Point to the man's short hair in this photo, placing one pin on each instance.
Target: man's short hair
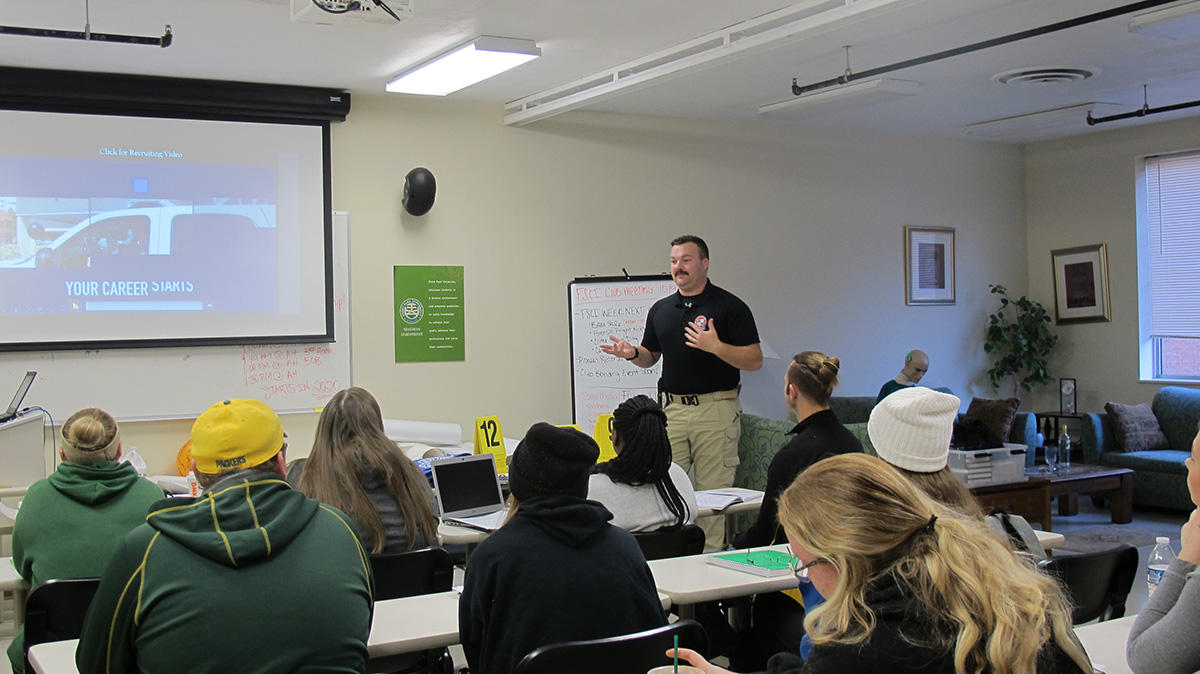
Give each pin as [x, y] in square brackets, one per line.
[689, 238]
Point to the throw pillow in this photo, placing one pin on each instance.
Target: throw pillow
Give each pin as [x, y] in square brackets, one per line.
[996, 414]
[1136, 427]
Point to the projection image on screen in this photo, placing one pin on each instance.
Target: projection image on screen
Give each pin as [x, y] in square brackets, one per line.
[130, 231]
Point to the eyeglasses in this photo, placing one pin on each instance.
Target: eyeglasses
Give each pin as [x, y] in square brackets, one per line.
[801, 572]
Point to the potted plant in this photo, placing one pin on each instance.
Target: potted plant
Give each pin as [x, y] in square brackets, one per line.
[1019, 337]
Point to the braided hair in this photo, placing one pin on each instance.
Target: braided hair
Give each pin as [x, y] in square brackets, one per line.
[645, 456]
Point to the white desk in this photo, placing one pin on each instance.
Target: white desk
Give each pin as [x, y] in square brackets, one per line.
[1049, 539]
[400, 626]
[414, 624]
[692, 580]
[451, 534]
[1105, 644]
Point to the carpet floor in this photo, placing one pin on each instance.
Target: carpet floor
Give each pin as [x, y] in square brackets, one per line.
[1106, 536]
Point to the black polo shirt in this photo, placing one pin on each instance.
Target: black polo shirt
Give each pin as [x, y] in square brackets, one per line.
[687, 369]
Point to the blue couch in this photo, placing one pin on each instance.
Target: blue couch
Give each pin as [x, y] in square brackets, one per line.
[1159, 476]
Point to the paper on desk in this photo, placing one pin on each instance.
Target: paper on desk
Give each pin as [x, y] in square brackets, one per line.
[425, 432]
[719, 499]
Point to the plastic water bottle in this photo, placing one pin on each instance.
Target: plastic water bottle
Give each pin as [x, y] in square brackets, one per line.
[1160, 559]
[1064, 450]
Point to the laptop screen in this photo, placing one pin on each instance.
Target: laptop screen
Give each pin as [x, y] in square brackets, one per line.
[467, 485]
[20, 395]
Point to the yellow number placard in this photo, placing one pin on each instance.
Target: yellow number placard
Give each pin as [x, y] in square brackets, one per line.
[602, 434]
[489, 438]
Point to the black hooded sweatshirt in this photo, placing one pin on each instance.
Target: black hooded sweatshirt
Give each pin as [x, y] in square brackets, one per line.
[558, 571]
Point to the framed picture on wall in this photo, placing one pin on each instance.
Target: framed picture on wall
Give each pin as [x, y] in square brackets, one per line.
[928, 265]
[1081, 284]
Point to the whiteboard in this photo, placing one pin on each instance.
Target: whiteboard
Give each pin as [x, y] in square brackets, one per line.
[600, 307]
[182, 382]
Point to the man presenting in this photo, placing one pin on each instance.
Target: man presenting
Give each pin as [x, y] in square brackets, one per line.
[705, 336]
[916, 364]
[249, 577]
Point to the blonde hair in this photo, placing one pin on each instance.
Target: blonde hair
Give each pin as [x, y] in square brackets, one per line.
[350, 437]
[986, 607]
[815, 375]
[90, 436]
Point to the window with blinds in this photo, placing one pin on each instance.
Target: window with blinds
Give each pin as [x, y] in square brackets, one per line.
[1173, 260]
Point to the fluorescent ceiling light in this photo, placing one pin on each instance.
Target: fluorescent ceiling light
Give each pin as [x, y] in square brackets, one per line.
[845, 97]
[1181, 19]
[463, 66]
[1074, 115]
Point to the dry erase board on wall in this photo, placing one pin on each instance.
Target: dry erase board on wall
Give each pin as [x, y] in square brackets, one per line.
[182, 382]
[600, 307]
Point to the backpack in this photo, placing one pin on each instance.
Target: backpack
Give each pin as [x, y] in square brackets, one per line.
[1019, 534]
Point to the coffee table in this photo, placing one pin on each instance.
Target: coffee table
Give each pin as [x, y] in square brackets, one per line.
[1030, 498]
[1083, 478]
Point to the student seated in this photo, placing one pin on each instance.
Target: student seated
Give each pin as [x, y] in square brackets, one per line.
[249, 577]
[642, 487]
[1161, 639]
[70, 523]
[355, 468]
[911, 430]
[777, 618]
[557, 570]
[912, 585]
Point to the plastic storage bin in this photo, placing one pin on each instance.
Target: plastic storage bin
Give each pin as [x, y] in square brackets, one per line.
[982, 467]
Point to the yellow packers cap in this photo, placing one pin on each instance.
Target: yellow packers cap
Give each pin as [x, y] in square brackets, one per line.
[233, 434]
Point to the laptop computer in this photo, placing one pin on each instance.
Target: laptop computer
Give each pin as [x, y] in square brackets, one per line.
[468, 491]
[15, 405]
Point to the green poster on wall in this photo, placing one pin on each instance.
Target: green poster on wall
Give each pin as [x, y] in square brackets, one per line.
[430, 325]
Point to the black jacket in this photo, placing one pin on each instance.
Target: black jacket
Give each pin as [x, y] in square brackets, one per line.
[888, 651]
[557, 572]
[818, 436]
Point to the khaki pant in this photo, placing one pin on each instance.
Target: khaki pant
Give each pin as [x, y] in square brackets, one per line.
[704, 441]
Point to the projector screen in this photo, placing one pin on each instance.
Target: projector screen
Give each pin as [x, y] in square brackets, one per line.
[135, 231]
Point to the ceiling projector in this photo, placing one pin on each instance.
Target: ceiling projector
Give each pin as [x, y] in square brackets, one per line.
[351, 12]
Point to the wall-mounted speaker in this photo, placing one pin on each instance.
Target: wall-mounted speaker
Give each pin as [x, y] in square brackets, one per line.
[419, 190]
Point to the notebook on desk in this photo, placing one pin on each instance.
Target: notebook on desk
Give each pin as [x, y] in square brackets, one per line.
[15, 405]
[468, 491]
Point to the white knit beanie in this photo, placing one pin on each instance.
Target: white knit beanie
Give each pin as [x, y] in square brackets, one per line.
[911, 428]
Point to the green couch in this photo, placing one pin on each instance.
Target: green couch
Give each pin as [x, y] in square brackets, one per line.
[1159, 476]
[761, 439]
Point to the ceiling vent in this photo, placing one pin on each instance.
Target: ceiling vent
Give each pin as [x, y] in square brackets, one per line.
[1036, 77]
[351, 12]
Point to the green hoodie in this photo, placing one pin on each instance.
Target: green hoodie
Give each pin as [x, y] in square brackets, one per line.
[70, 524]
[250, 577]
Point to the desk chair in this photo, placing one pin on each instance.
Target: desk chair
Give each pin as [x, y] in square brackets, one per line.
[54, 611]
[407, 574]
[628, 654]
[1098, 582]
[664, 543]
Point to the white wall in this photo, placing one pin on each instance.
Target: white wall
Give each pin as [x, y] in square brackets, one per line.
[1082, 192]
[806, 226]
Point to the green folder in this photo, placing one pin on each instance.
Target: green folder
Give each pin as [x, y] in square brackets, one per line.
[767, 563]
